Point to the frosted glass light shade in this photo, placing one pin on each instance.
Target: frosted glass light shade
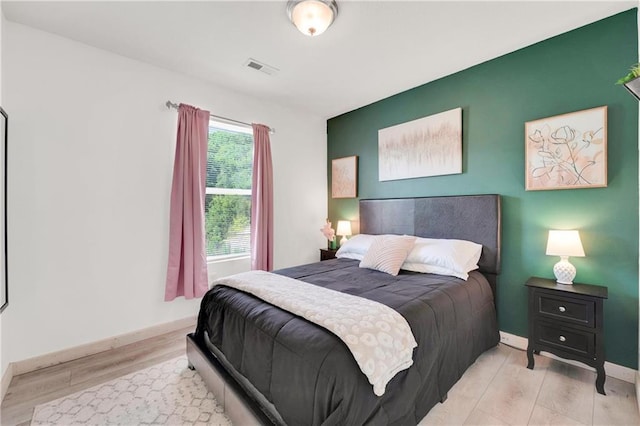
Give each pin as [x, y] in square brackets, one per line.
[564, 244]
[344, 229]
[312, 17]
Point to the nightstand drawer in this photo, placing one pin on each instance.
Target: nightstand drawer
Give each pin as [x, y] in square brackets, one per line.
[572, 310]
[581, 343]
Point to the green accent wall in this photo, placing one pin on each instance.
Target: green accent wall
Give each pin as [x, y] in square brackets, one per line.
[571, 72]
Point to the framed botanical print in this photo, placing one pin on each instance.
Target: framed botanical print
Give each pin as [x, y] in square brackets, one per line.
[567, 151]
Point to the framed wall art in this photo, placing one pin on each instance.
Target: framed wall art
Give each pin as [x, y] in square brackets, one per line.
[428, 146]
[4, 272]
[344, 177]
[567, 151]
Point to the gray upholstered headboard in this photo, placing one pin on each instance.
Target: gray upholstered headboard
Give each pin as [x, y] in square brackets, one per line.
[467, 217]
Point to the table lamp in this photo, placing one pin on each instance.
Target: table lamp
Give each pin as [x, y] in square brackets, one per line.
[344, 229]
[564, 243]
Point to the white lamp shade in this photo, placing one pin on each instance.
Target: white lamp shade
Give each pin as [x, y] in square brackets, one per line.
[312, 17]
[564, 243]
[344, 227]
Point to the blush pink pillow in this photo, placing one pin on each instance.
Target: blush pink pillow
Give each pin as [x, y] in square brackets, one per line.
[387, 253]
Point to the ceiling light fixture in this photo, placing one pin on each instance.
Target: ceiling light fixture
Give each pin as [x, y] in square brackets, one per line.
[312, 17]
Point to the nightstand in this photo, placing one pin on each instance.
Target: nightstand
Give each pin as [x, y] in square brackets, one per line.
[567, 320]
[326, 254]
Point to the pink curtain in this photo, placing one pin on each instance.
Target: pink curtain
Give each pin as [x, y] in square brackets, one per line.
[262, 201]
[187, 269]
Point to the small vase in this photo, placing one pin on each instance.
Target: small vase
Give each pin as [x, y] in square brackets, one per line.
[332, 244]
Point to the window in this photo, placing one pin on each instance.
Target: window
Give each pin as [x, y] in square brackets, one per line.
[228, 194]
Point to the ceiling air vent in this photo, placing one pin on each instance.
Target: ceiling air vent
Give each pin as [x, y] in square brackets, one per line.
[260, 66]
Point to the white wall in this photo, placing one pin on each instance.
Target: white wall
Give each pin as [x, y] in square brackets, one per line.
[91, 161]
[2, 363]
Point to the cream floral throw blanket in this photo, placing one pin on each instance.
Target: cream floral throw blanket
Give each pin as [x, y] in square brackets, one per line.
[379, 338]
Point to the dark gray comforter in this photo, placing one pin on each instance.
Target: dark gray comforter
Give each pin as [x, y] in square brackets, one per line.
[310, 375]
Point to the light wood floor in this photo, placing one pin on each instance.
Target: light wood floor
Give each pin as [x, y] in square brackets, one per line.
[31, 389]
[497, 390]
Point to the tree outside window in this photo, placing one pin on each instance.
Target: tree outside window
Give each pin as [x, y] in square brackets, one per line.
[228, 193]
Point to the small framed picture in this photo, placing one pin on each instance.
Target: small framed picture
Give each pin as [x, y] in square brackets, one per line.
[344, 177]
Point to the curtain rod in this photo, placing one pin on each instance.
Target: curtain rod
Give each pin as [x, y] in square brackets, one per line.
[173, 105]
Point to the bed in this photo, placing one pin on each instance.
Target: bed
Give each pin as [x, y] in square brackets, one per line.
[286, 370]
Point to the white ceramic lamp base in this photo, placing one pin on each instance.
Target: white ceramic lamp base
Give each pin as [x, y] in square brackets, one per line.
[564, 271]
[343, 240]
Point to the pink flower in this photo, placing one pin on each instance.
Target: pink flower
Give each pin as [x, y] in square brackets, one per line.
[327, 231]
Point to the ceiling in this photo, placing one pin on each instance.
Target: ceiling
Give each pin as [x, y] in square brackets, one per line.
[373, 50]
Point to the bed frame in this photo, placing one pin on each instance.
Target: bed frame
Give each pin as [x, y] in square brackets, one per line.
[469, 217]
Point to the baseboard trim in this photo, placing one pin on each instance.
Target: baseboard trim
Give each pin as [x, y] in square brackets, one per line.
[55, 358]
[6, 381]
[512, 340]
[638, 389]
[613, 370]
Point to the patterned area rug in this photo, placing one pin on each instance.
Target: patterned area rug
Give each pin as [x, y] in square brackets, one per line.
[165, 394]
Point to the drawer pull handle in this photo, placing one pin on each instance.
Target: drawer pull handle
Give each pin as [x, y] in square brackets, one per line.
[562, 309]
[562, 339]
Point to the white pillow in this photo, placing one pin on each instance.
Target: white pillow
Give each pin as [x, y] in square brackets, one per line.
[355, 247]
[456, 257]
[431, 269]
[387, 253]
